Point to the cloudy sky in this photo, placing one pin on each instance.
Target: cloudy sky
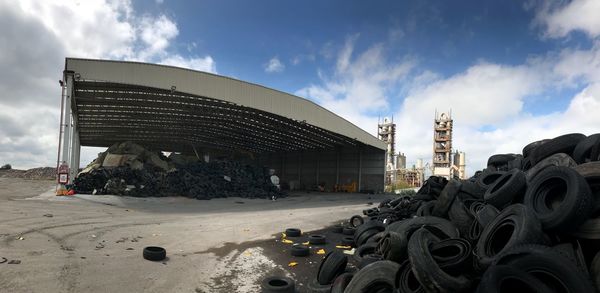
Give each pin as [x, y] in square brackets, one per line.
[510, 71]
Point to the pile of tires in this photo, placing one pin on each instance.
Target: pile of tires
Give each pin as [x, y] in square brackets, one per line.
[529, 222]
[199, 180]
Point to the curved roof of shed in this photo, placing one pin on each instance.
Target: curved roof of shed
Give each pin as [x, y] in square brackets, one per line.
[175, 109]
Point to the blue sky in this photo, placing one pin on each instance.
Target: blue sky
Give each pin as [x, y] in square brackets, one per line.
[511, 71]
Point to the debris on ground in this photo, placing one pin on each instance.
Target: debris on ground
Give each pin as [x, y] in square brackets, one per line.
[528, 221]
[130, 169]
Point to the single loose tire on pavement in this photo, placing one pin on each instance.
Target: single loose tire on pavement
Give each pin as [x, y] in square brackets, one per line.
[154, 253]
[332, 266]
[337, 228]
[560, 198]
[316, 239]
[278, 285]
[300, 250]
[376, 277]
[293, 232]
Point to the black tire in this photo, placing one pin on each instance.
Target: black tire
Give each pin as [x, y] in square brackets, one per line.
[560, 159]
[590, 171]
[509, 186]
[368, 226]
[364, 250]
[376, 277]
[473, 189]
[406, 281]
[278, 285]
[393, 247]
[317, 239]
[348, 241]
[590, 229]
[299, 250]
[365, 236]
[341, 282]
[503, 279]
[461, 217]
[515, 225]
[442, 228]
[447, 196]
[595, 271]
[356, 221]
[427, 270]
[488, 178]
[530, 147]
[375, 238]
[348, 231]
[425, 209]
[500, 159]
[561, 144]
[315, 287]
[293, 232]
[583, 151]
[369, 259]
[337, 228]
[453, 254]
[557, 271]
[332, 266]
[486, 214]
[154, 253]
[560, 198]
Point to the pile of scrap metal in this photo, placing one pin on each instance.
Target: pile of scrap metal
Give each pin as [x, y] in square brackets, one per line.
[130, 169]
[529, 222]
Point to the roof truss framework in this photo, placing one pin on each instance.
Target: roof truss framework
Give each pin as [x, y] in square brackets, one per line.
[109, 112]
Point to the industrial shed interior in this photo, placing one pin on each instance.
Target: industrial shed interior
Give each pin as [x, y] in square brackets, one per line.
[180, 110]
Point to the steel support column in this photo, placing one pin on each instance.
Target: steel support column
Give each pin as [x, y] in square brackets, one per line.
[67, 126]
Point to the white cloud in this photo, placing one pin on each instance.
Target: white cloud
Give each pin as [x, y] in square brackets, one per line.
[205, 63]
[364, 84]
[35, 39]
[360, 85]
[577, 15]
[274, 65]
[493, 95]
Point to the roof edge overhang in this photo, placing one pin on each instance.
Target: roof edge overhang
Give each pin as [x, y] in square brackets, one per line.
[219, 87]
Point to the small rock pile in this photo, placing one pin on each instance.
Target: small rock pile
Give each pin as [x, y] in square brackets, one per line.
[129, 169]
[529, 222]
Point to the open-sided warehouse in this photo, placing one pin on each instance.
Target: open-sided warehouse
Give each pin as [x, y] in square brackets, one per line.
[180, 110]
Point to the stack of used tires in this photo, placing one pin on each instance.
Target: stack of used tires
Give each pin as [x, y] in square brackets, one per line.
[529, 222]
[200, 180]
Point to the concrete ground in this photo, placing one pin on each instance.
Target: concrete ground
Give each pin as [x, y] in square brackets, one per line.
[94, 243]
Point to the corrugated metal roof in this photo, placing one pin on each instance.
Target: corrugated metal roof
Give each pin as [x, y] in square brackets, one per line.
[173, 108]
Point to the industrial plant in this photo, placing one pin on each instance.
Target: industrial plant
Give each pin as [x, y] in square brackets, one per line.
[446, 162]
